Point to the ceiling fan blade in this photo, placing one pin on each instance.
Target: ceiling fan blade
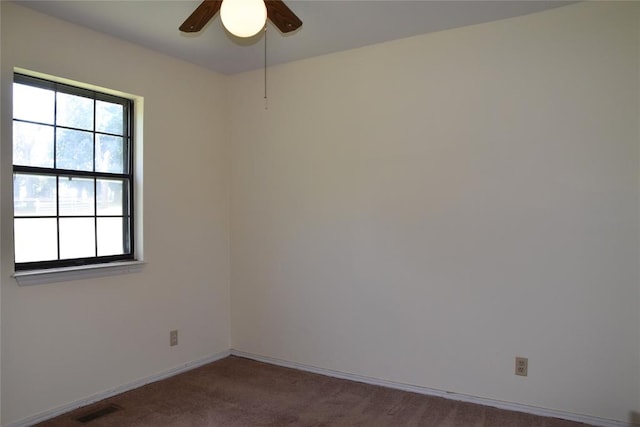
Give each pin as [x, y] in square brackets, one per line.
[199, 18]
[281, 16]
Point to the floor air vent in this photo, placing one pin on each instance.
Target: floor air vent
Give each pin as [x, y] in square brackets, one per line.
[98, 413]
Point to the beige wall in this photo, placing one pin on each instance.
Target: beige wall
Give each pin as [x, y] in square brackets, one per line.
[2, 107]
[66, 341]
[423, 211]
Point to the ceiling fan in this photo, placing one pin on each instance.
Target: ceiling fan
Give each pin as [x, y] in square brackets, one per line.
[277, 12]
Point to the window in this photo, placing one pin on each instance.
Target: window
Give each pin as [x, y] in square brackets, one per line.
[72, 175]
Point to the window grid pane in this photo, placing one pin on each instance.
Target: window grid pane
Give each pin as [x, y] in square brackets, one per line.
[36, 239]
[33, 144]
[72, 176]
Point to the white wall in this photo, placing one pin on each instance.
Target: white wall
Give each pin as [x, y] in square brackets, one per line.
[66, 341]
[2, 103]
[423, 211]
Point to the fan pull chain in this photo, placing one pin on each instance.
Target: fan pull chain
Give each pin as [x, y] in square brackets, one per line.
[266, 105]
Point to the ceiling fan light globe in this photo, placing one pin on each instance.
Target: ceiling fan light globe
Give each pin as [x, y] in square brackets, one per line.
[243, 18]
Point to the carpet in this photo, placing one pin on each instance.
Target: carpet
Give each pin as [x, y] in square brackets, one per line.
[236, 391]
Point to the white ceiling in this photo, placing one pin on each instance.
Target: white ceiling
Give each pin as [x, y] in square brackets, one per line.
[328, 26]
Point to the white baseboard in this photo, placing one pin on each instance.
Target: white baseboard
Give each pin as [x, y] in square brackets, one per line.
[43, 416]
[438, 393]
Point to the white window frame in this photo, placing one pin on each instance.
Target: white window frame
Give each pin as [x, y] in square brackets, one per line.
[60, 274]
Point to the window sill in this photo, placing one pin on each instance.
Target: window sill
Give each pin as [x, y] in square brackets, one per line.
[53, 275]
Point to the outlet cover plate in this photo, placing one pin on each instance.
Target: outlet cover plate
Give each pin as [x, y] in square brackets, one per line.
[522, 366]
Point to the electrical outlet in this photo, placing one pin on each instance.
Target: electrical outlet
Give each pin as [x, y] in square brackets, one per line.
[173, 338]
[522, 366]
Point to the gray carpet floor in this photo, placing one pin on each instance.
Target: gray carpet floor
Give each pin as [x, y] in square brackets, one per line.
[239, 392]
